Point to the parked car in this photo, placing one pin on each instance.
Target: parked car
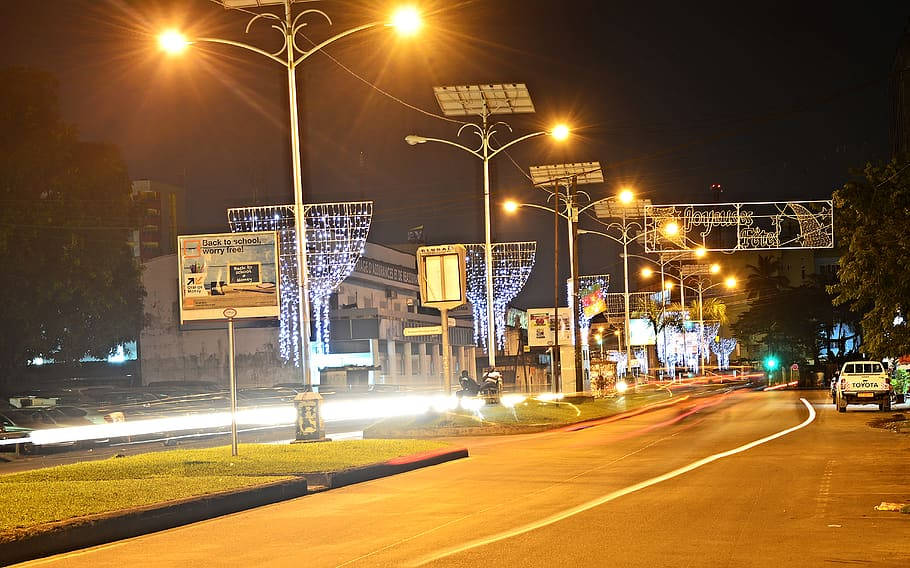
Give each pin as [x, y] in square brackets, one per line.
[863, 382]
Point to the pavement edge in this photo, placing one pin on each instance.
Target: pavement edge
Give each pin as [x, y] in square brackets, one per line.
[94, 530]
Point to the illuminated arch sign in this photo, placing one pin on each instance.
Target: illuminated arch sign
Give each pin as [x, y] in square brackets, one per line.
[739, 226]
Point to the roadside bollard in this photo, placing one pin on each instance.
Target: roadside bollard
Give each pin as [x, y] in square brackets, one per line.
[310, 427]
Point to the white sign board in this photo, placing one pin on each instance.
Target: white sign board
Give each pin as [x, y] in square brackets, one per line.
[541, 324]
[441, 271]
[229, 273]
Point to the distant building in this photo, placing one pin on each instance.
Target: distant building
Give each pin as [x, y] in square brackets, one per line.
[161, 208]
[900, 98]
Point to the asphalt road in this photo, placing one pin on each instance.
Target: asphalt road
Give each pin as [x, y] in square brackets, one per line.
[636, 492]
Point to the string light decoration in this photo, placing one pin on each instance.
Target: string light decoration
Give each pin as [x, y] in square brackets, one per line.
[723, 348]
[512, 264]
[335, 237]
[642, 356]
[619, 357]
[586, 282]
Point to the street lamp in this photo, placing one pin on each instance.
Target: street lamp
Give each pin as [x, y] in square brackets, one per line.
[290, 55]
[485, 101]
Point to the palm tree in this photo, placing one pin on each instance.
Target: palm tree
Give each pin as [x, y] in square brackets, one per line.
[712, 309]
[766, 278]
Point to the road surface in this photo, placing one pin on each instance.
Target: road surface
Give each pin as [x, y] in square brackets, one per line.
[652, 490]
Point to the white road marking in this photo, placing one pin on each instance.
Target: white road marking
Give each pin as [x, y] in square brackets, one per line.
[614, 495]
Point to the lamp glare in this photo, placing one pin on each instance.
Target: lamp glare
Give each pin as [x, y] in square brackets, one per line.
[700, 252]
[406, 20]
[646, 272]
[671, 228]
[510, 206]
[626, 196]
[172, 41]
[560, 132]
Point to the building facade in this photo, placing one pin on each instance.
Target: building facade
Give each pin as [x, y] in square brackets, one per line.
[367, 346]
[161, 208]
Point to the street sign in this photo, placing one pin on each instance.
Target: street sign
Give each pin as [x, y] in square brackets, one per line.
[425, 330]
[229, 313]
[228, 271]
[441, 271]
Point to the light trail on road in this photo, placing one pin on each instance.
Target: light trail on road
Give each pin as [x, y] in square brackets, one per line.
[614, 494]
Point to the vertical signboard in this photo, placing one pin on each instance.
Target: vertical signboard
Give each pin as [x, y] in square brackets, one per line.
[230, 270]
[541, 324]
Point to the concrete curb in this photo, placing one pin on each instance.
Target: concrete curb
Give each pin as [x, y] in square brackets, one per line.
[93, 530]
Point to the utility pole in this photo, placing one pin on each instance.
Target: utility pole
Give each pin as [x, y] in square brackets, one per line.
[575, 303]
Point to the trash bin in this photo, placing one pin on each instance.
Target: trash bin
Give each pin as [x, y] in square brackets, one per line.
[310, 427]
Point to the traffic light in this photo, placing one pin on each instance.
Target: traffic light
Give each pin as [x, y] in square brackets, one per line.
[770, 362]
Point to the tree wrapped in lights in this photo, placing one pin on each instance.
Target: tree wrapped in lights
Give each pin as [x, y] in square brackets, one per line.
[709, 332]
[723, 348]
[335, 237]
[642, 356]
[512, 264]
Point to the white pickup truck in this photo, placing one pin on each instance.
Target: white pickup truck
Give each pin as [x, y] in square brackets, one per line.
[863, 382]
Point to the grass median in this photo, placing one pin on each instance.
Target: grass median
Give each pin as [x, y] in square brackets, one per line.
[64, 492]
[525, 416]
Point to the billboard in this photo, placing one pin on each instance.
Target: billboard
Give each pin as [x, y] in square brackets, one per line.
[228, 271]
[641, 332]
[541, 324]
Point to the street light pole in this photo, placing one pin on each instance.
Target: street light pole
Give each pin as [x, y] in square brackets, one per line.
[290, 56]
[625, 268]
[557, 375]
[574, 301]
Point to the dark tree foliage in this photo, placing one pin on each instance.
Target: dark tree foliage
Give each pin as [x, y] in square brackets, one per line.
[72, 287]
[794, 323]
[872, 217]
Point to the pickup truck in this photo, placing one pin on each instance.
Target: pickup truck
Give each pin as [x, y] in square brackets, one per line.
[863, 382]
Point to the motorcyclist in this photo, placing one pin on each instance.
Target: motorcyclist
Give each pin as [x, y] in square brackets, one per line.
[492, 382]
[469, 386]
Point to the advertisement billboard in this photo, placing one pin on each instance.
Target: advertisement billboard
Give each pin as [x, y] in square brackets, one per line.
[541, 324]
[641, 332]
[229, 271]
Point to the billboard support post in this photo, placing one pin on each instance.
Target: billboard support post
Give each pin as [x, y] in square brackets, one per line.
[229, 313]
[446, 351]
[442, 275]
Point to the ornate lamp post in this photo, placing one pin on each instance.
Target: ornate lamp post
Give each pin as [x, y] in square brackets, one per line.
[290, 56]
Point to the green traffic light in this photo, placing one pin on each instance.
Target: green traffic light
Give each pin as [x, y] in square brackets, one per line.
[771, 363]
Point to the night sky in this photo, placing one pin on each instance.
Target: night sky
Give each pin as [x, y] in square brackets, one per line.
[773, 100]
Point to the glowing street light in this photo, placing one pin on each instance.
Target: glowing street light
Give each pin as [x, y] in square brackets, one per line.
[730, 282]
[626, 196]
[671, 229]
[647, 272]
[700, 252]
[715, 268]
[172, 42]
[560, 132]
[406, 20]
[290, 56]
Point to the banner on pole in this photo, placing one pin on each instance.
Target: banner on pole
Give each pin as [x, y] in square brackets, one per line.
[592, 300]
